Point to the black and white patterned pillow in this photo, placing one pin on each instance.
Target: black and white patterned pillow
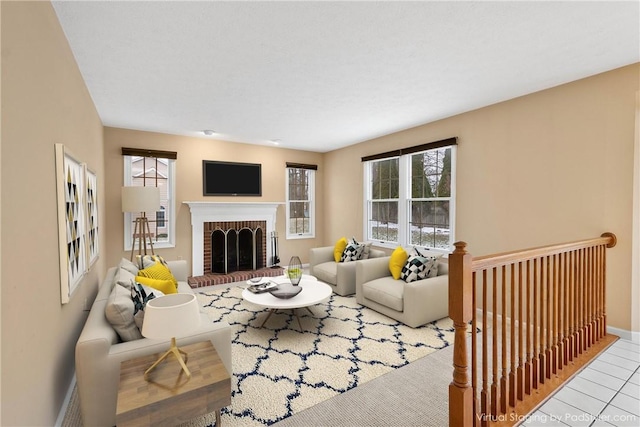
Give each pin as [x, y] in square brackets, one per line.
[141, 295]
[414, 269]
[352, 252]
[431, 263]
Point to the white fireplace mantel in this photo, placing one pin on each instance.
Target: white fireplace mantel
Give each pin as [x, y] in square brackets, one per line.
[202, 212]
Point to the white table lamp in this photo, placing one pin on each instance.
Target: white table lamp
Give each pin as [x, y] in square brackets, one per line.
[141, 199]
[171, 316]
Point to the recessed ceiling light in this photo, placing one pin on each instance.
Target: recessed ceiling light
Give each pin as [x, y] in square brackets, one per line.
[208, 132]
[275, 141]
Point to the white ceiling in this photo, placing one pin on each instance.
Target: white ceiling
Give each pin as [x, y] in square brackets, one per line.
[323, 75]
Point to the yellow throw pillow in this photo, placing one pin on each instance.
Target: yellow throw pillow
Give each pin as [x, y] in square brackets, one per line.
[164, 286]
[158, 271]
[339, 248]
[397, 261]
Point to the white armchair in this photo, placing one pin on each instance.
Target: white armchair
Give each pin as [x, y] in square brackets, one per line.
[340, 275]
[414, 304]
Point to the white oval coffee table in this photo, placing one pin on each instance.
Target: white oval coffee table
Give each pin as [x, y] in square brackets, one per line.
[313, 292]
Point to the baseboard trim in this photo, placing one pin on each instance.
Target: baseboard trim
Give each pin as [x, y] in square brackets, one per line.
[633, 336]
[65, 403]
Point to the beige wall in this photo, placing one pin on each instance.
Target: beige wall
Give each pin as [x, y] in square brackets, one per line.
[191, 151]
[545, 168]
[44, 101]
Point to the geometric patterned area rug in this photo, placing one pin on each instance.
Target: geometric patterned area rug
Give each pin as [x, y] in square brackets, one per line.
[279, 370]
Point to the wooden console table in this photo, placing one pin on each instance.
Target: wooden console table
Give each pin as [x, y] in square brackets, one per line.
[170, 398]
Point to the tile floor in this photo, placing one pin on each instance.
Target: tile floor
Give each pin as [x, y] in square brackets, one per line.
[606, 393]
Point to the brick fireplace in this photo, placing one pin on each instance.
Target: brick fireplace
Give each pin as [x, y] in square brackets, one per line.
[206, 217]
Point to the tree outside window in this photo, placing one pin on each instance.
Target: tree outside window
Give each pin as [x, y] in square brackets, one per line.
[430, 198]
[385, 191]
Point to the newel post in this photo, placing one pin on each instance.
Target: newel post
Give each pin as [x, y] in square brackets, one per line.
[461, 312]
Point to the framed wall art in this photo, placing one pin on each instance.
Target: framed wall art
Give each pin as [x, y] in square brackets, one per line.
[91, 193]
[71, 195]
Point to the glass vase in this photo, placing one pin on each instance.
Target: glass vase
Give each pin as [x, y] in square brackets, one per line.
[294, 270]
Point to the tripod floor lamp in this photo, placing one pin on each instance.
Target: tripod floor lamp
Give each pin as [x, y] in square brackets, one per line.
[141, 200]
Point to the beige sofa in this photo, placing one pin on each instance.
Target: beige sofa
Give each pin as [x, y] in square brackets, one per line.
[413, 304]
[340, 275]
[99, 351]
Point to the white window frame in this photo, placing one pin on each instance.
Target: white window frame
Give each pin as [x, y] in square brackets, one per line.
[404, 203]
[170, 210]
[312, 206]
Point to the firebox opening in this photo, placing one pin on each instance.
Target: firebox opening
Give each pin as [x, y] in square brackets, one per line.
[240, 249]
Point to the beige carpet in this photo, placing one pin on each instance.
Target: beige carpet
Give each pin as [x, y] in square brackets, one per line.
[414, 395]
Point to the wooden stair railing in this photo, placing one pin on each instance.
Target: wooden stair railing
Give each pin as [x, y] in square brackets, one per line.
[541, 314]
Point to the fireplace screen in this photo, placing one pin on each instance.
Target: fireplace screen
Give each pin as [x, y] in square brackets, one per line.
[237, 250]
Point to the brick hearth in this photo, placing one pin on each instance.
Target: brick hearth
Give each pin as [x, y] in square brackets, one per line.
[237, 276]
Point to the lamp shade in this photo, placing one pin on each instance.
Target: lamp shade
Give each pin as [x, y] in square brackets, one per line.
[140, 199]
[171, 316]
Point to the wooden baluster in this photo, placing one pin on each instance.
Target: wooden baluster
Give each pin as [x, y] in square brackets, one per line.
[603, 331]
[484, 394]
[581, 302]
[599, 253]
[543, 331]
[520, 372]
[592, 290]
[596, 294]
[587, 302]
[494, 346]
[554, 315]
[513, 342]
[547, 354]
[528, 368]
[604, 294]
[504, 343]
[579, 299]
[474, 350]
[536, 355]
[576, 279]
[562, 303]
[601, 280]
[460, 311]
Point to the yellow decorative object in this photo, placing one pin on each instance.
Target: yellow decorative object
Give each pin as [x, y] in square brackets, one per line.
[164, 286]
[158, 271]
[339, 248]
[397, 261]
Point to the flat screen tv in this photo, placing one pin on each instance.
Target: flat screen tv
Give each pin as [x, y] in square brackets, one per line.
[231, 179]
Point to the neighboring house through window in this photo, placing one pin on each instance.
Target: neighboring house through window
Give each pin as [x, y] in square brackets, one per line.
[410, 194]
[151, 168]
[300, 203]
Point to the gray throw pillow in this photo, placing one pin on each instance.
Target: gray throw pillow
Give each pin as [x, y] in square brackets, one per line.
[366, 251]
[129, 266]
[119, 312]
[124, 278]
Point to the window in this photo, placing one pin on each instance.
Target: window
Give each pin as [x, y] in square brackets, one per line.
[152, 172]
[409, 196]
[385, 196]
[430, 201]
[300, 209]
